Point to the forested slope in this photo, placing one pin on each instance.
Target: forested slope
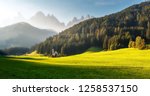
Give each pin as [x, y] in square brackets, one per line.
[108, 33]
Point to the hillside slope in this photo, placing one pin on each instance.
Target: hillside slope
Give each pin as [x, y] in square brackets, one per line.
[109, 33]
[22, 35]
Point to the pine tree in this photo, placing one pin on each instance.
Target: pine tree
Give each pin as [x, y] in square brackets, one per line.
[148, 31]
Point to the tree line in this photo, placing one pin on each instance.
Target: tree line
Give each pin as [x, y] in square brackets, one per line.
[14, 51]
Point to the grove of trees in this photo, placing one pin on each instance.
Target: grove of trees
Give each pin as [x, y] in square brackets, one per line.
[138, 43]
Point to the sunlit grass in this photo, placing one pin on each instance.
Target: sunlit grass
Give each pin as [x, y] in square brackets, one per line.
[123, 63]
[122, 57]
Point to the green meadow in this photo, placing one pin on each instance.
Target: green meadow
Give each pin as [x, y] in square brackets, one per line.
[93, 64]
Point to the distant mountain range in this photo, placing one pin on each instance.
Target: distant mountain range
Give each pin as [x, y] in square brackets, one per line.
[22, 35]
[44, 21]
[33, 31]
[75, 20]
[40, 20]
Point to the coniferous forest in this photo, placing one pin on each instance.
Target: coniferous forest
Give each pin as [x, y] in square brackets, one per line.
[110, 32]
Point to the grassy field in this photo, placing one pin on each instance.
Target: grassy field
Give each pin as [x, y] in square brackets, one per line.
[123, 63]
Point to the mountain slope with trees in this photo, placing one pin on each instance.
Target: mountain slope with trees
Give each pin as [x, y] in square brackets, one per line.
[110, 32]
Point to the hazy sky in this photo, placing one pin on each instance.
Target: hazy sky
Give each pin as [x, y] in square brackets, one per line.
[64, 10]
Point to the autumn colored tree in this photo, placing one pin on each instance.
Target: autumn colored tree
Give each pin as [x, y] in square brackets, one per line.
[139, 43]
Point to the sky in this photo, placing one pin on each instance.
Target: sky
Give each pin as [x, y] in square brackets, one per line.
[64, 10]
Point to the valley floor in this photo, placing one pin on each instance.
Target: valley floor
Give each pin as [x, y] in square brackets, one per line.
[123, 63]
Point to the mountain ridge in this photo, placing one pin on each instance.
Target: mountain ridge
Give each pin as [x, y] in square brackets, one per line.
[43, 21]
[22, 35]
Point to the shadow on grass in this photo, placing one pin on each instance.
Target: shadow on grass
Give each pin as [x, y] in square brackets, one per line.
[25, 58]
[14, 69]
[94, 49]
